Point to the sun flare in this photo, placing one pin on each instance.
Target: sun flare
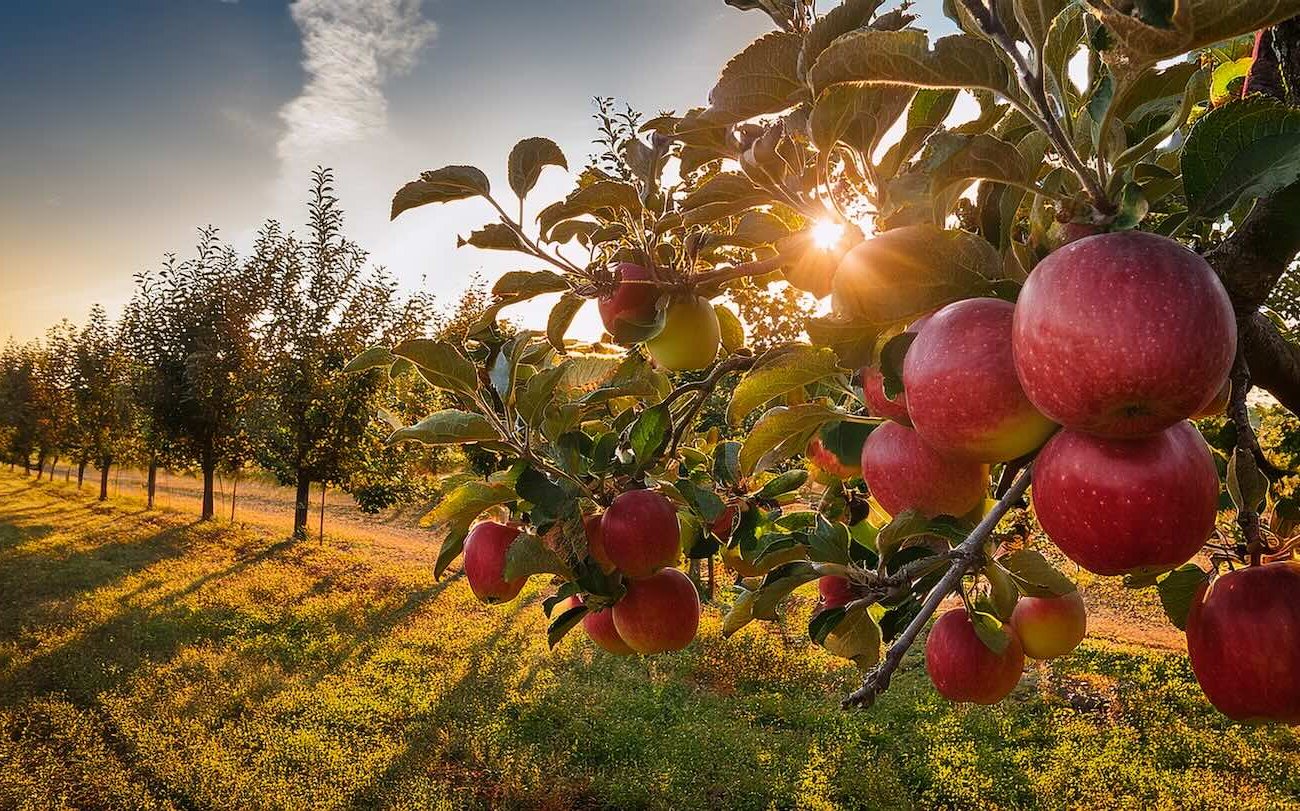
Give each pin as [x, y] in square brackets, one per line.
[827, 233]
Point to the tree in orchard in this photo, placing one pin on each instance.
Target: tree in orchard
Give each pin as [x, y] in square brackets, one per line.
[102, 395]
[57, 432]
[314, 420]
[18, 409]
[1045, 292]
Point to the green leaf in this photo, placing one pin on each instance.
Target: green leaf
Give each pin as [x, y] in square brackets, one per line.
[604, 199]
[447, 427]
[561, 317]
[781, 433]
[1192, 93]
[441, 186]
[856, 637]
[848, 16]
[1177, 590]
[529, 283]
[788, 369]
[1193, 24]
[907, 272]
[905, 57]
[494, 236]
[892, 355]
[763, 78]
[649, 434]
[468, 501]
[980, 157]
[726, 463]
[372, 358]
[823, 622]
[1063, 40]
[526, 162]
[537, 394]
[441, 364]
[1242, 150]
[990, 631]
[723, 195]
[829, 541]
[1034, 576]
[741, 613]
[845, 439]
[564, 623]
[856, 115]
[1247, 485]
[733, 332]
[1036, 17]
[1003, 592]
[452, 545]
[778, 584]
[786, 482]
[528, 556]
[1226, 82]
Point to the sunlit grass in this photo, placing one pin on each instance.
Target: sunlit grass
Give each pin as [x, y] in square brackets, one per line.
[146, 662]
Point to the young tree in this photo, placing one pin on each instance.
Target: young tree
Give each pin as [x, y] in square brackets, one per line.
[101, 395]
[315, 421]
[1034, 259]
[18, 402]
[56, 428]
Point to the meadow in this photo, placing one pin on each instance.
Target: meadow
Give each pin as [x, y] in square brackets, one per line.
[150, 662]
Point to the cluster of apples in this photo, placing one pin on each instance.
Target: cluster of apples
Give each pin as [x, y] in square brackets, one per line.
[639, 536]
[1114, 342]
[682, 336]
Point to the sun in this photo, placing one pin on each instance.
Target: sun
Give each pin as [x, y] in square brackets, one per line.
[826, 234]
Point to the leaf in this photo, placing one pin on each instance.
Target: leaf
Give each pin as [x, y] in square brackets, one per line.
[495, 236]
[537, 394]
[823, 622]
[1036, 17]
[564, 623]
[763, 78]
[528, 158]
[467, 502]
[1247, 485]
[452, 545]
[848, 16]
[1034, 576]
[1192, 94]
[781, 433]
[789, 370]
[1003, 593]
[856, 115]
[505, 368]
[1226, 82]
[786, 482]
[529, 283]
[372, 358]
[1242, 150]
[528, 555]
[441, 363]
[447, 427]
[727, 188]
[603, 199]
[1063, 40]
[649, 434]
[557, 323]
[778, 584]
[845, 440]
[905, 58]
[733, 332]
[892, 355]
[440, 186]
[726, 463]
[980, 157]
[1177, 590]
[829, 541]
[907, 272]
[741, 613]
[990, 631]
[856, 637]
[1193, 24]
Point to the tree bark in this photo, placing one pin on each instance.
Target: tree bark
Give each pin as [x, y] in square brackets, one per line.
[81, 473]
[301, 505]
[209, 474]
[104, 465]
[234, 489]
[67, 474]
[54, 466]
[323, 487]
[151, 484]
[40, 465]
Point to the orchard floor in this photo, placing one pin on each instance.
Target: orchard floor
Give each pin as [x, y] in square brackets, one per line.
[150, 662]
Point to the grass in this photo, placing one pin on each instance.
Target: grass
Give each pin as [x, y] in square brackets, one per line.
[146, 662]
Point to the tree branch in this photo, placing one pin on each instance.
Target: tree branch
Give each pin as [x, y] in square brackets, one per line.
[965, 558]
[1274, 361]
[1247, 517]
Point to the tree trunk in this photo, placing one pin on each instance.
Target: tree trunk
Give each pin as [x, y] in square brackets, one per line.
[104, 465]
[300, 506]
[27, 466]
[209, 508]
[67, 474]
[53, 466]
[40, 465]
[151, 483]
[81, 473]
[322, 512]
[234, 489]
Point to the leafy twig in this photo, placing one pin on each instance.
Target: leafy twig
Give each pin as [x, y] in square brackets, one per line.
[965, 558]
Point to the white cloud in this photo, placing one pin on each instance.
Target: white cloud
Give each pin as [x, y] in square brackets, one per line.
[350, 49]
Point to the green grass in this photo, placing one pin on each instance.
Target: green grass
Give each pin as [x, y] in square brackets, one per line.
[150, 663]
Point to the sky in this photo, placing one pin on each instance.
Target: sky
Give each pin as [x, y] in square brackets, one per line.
[128, 125]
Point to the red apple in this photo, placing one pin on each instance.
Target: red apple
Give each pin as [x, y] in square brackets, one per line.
[837, 591]
[725, 522]
[1049, 627]
[904, 473]
[596, 542]
[1116, 506]
[1218, 405]
[963, 668]
[873, 393]
[485, 562]
[659, 613]
[599, 625]
[1123, 334]
[640, 533]
[690, 337]
[825, 459]
[630, 311]
[963, 395]
[1243, 638]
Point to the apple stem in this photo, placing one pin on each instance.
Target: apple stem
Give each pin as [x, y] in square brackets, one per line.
[966, 557]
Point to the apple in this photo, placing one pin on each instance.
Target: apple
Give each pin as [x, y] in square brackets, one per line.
[596, 542]
[640, 534]
[658, 613]
[1218, 405]
[963, 668]
[1243, 639]
[690, 337]
[826, 460]
[904, 473]
[836, 591]
[1119, 506]
[873, 393]
[963, 396]
[1049, 627]
[599, 625]
[630, 311]
[1122, 334]
[485, 562]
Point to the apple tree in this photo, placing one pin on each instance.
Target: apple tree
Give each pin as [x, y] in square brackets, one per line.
[1043, 290]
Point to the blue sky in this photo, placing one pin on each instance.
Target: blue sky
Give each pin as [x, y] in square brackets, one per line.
[127, 125]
